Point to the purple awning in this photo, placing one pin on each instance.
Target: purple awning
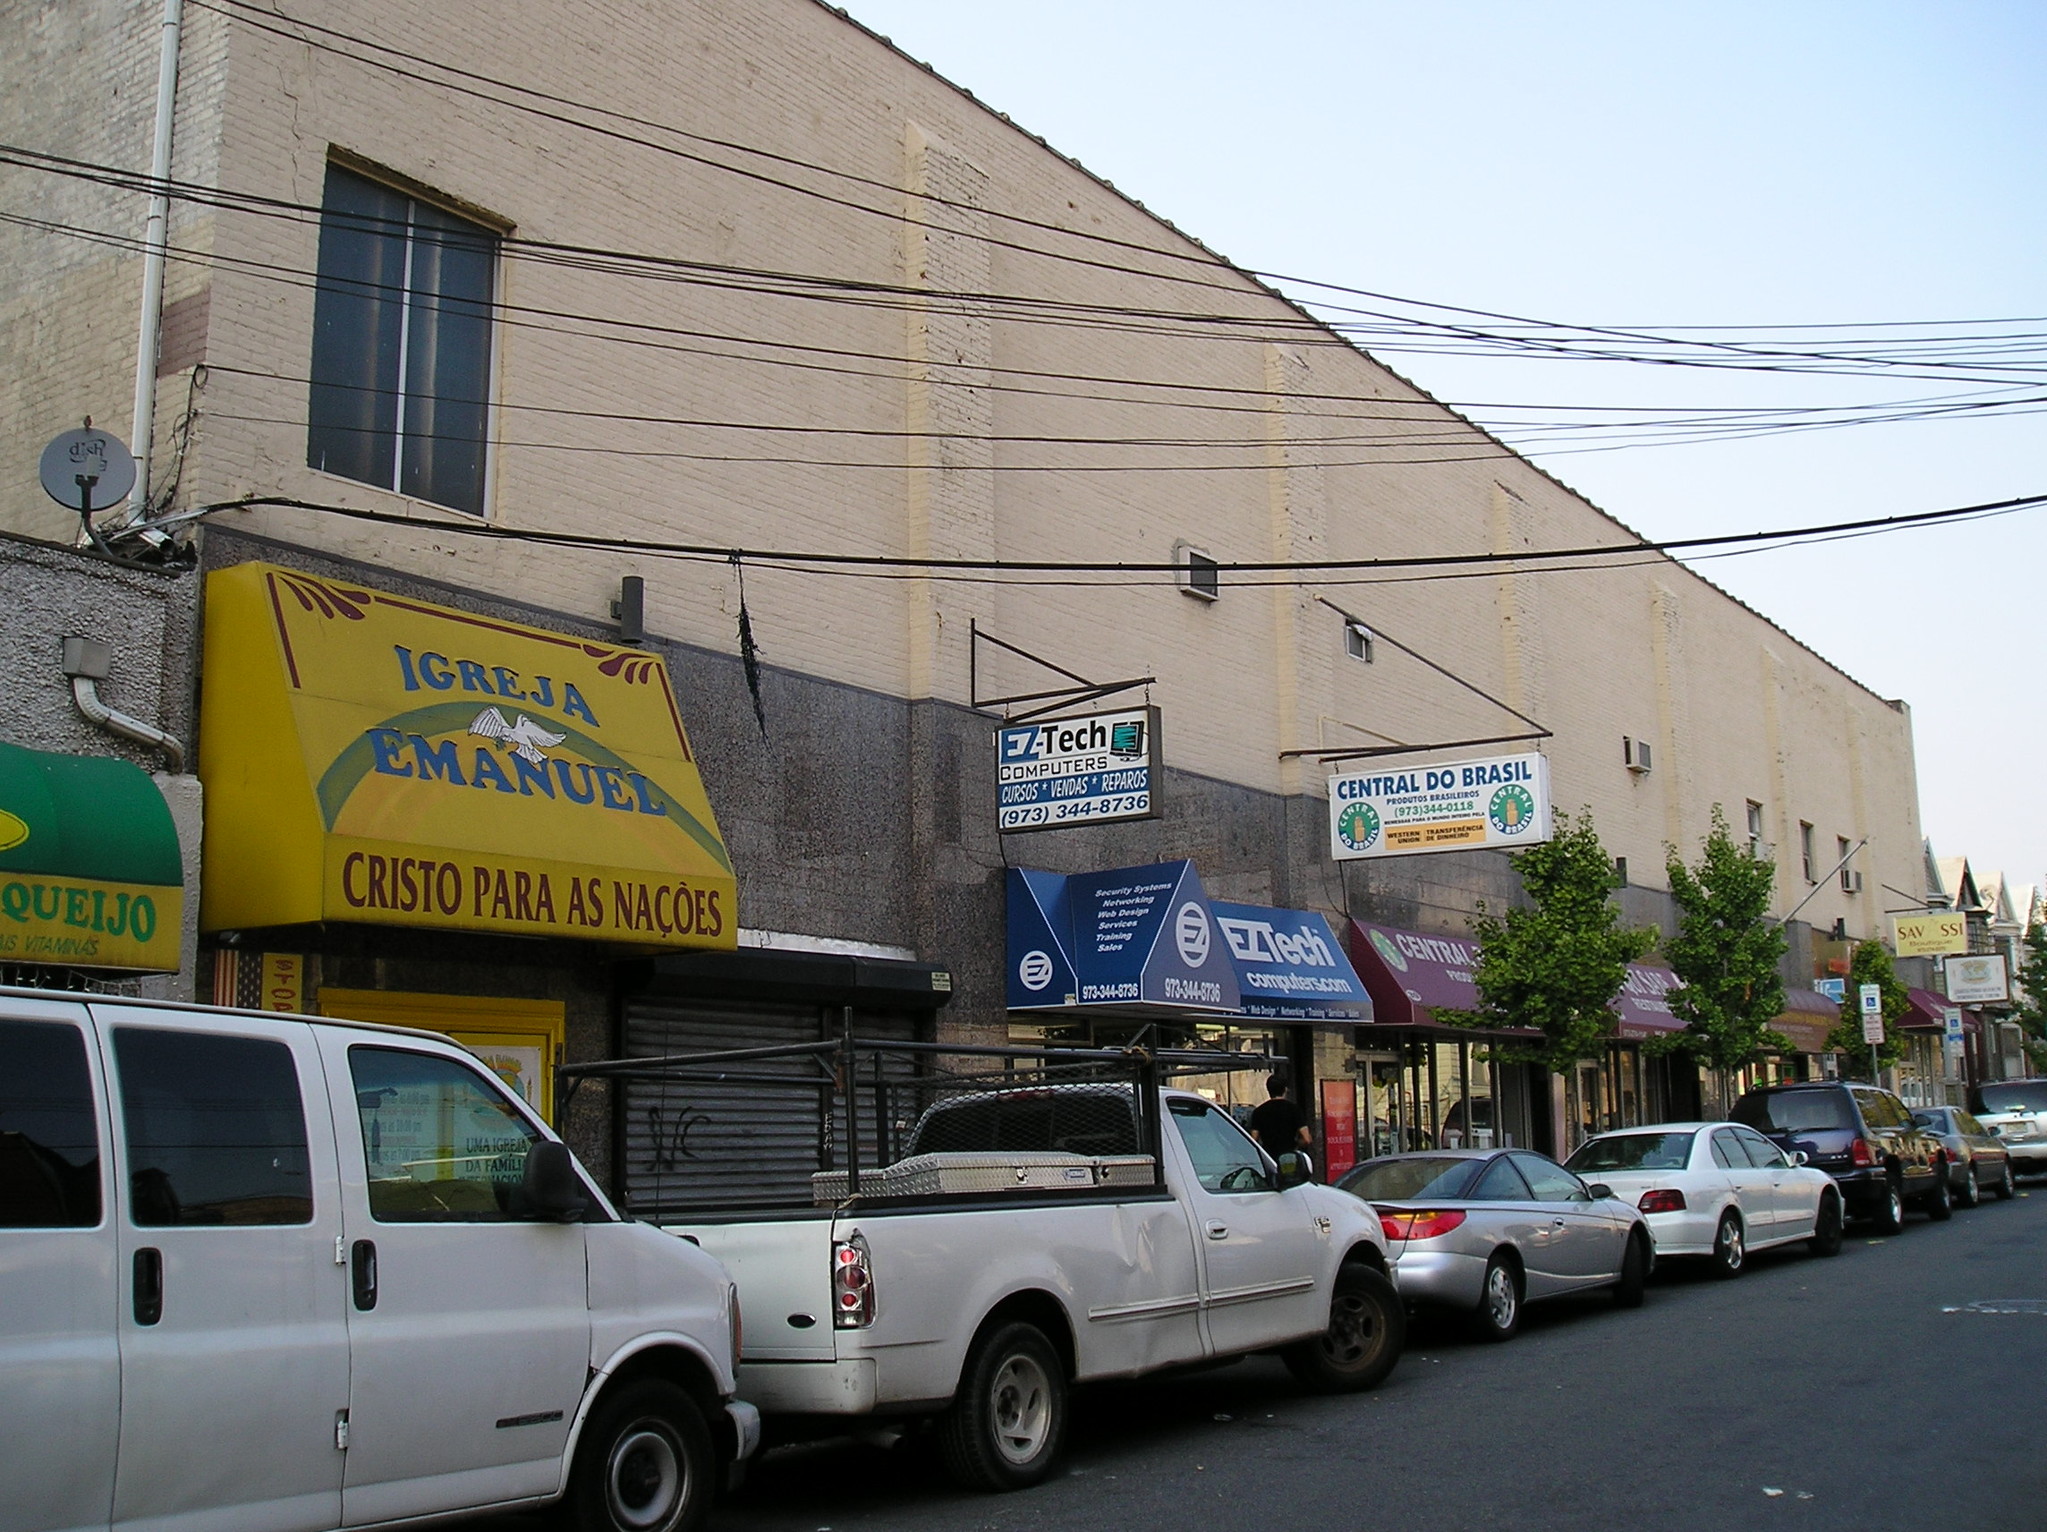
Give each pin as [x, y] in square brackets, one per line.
[1929, 1011]
[1409, 973]
[1644, 1001]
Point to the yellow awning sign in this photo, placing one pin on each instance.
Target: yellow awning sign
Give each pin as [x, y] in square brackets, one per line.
[377, 759]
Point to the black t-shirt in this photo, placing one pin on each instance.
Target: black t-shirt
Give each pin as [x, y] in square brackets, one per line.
[1277, 1125]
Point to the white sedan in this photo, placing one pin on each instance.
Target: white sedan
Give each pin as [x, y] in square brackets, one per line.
[1715, 1189]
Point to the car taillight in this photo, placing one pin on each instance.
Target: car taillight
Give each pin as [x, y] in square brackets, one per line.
[1861, 1152]
[1426, 1224]
[852, 1285]
[1668, 1201]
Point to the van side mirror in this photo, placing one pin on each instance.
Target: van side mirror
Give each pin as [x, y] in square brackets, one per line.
[549, 1188]
[1295, 1169]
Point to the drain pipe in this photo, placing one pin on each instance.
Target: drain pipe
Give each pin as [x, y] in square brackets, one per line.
[86, 662]
[155, 241]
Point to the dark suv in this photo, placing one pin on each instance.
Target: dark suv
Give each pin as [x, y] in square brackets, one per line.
[1864, 1138]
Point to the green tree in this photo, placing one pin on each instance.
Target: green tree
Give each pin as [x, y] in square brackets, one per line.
[1725, 956]
[1870, 965]
[2031, 1010]
[1557, 963]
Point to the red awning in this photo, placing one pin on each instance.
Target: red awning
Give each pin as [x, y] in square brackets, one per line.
[1929, 1013]
[1408, 972]
[1644, 1001]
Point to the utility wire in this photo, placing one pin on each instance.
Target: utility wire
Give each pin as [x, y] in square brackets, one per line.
[1440, 424]
[1292, 568]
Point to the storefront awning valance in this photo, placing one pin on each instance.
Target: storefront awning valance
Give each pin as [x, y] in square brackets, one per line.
[90, 872]
[1806, 1019]
[1644, 1001]
[1136, 939]
[1929, 1012]
[376, 759]
[1409, 974]
[1290, 966]
[1149, 940]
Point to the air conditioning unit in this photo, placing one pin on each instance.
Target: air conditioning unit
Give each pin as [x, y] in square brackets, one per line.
[1851, 881]
[1635, 752]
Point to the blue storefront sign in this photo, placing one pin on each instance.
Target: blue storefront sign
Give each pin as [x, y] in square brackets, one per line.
[1148, 938]
[1135, 937]
[1290, 966]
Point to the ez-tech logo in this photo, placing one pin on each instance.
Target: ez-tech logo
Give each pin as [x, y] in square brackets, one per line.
[1123, 738]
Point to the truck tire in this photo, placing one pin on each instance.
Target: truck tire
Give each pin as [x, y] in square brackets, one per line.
[645, 1463]
[1008, 1422]
[1367, 1328]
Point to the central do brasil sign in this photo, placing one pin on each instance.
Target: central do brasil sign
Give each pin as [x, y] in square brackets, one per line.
[1502, 801]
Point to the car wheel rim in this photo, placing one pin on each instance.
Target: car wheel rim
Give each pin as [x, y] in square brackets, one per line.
[1894, 1206]
[1500, 1300]
[1731, 1252]
[644, 1481]
[1352, 1331]
[1020, 1409]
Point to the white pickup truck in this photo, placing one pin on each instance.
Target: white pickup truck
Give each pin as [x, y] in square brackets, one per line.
[1035, 1238]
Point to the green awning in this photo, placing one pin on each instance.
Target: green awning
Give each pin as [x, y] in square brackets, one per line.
[90, 872]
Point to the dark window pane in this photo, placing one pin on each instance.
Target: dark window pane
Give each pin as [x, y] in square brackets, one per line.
[1549, 1181]
[216, 1129]
[1762, 1154]
[1795, 1111]
[358, 317]
[401, 344]
[1632, 1151]
[1727, 1153]
[49, 1146]
[442, 1146]
[1400, 1180]
[447, 361]
[1500, 1183]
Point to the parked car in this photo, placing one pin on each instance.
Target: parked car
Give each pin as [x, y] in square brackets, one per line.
[1035, 1238]
[1862, 1136]
[1976, 1157]
[265, 1271]
[1486, 1231]
[2016, 1111]
[1715, 1190]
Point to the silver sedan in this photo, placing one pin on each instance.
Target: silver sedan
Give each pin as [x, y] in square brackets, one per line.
[1487, 1230]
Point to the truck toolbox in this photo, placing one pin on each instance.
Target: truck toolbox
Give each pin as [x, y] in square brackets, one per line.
[932, 1175]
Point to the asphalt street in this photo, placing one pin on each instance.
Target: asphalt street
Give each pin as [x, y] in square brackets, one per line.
[1891, 1387]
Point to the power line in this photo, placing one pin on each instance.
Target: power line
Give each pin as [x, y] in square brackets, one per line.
[249, 14]
[1292, 568]
[1439, 424]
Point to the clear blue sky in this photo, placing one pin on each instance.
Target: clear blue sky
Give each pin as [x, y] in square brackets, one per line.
[1645, 165]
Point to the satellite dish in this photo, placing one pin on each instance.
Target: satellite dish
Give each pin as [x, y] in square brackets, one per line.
[88, 470]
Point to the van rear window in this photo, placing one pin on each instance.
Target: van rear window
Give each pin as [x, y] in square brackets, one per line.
[1795, 1111]
[49, 1144]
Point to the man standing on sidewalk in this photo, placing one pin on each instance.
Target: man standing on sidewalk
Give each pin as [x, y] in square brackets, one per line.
[1279, 1125]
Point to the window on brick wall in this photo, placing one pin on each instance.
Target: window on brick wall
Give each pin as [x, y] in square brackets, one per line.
[401, 344]
[1756, 848]
[1805, 849]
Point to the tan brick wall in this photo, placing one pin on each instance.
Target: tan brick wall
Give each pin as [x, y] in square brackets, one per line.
[950, 404]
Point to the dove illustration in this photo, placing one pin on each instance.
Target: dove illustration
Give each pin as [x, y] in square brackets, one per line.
[525, 737]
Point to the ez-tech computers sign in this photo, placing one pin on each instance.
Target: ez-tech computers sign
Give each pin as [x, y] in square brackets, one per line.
[1077, 770]
[1454, 806]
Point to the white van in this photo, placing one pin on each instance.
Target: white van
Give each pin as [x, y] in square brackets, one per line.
[270, 1272]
